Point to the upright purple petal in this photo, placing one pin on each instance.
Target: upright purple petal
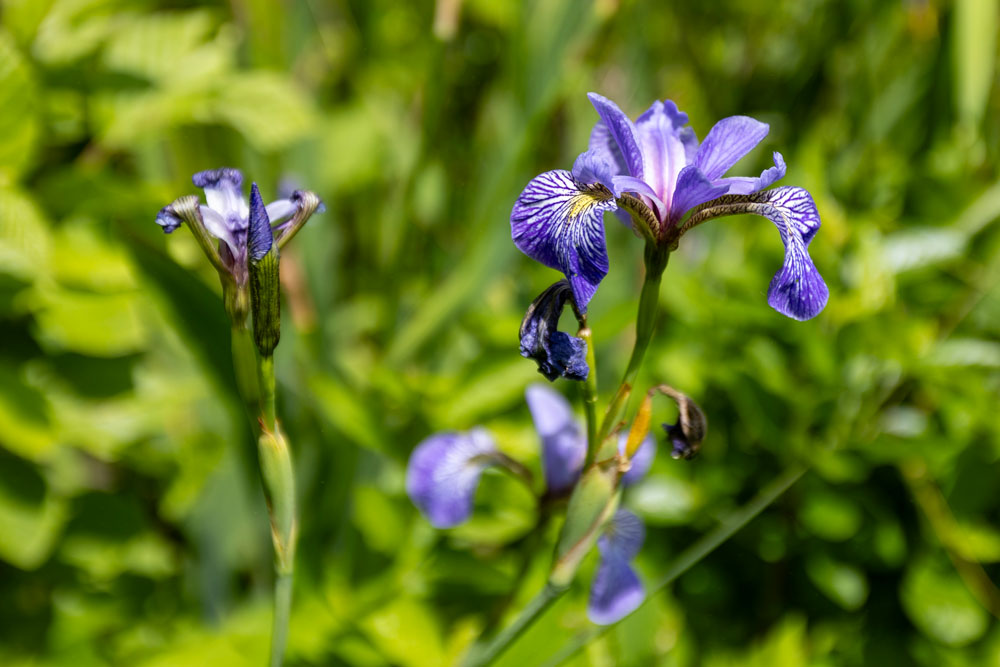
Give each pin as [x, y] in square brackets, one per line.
[223, 190]
[617, 590]
[622, 130]
[603, 144]
[559, 222]
[260, 238]
[745, 185]
[663, 150]
[727, 142]
[564, 445]
[797, 290]
[641, 462]
[693, 188]
[443, 474]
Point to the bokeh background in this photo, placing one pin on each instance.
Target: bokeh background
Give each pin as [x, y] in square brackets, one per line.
[132, 523]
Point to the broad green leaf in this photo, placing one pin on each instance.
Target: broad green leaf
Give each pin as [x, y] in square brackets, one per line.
[830, 516]
[31, 517]
[843, 583]
[24, 235]
[19, 125]
[268, 109]
[937, 601]
[26, 419]
[407, 633]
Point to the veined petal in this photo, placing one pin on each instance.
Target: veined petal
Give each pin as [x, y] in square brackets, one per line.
[443, 473]
[557, 354]
[223, 191]
[622, 130]
[797, 290]
[603, 144]
[693, 188]
[745, 185]
[564, 445]
[617, 590]
[642, 461]
[559, 223]
[727, 142]
[663, 150]
[217, 227]
[260, 237]
[593, 167]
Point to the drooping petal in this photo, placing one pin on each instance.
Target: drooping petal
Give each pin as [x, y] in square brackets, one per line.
[564, 445]
[168, 220]
[693, 188]
[797, 290]
[223, 191]
[557, 354]
[745, 185]
[260, 237]
[727, 142]
[559, 222]
[622, 130]
[443, 473]
[642, 461]
[662, 146]
[617, 590]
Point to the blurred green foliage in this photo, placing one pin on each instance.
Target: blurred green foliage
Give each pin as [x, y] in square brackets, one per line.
[132, 524]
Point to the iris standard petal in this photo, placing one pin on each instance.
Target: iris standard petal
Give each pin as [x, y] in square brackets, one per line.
[622, 130]
[797, 290]
[559, 222]
[642, 461]
[727, 142]
[223, 191]
[663, 150]
[260, 238]
[744, 185]
[557, 354]
[693, 188]
[603, 144]
[443, 473]
[564, 445]
[617, 590]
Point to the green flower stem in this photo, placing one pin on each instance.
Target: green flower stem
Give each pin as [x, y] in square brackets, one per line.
[656, 262]
[245, 367]
[696, 552]
[590, 392]
[541, 602]
[278, 477]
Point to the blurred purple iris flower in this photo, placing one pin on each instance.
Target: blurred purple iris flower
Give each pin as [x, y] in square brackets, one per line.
[444, 471]
[657, 160]
[226, 215]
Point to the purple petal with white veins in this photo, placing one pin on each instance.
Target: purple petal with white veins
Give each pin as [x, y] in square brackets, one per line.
[260, 238]
[564, 445]
[622, 130]
[693, 188]
[797, 290]
[559, 222]
[443, 473]
[617, 590]
[745, 185]
[727, 142]
[642, 461]
[663, 151]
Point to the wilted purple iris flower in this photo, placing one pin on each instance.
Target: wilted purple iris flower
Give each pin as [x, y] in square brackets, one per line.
[226, 215]
[557, 353]
[444, 471]
[655, 169]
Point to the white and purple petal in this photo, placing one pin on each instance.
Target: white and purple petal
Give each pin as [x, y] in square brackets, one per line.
[564, 445]
[728, 141]
[617, 590]
[559, 222]
[223, 191]
[797, 290]
[443, 473]
[693, 188]
[662, 144]
[641, 462]
[622, 130]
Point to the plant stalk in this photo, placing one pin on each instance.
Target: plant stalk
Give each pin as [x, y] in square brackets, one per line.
[534, 609]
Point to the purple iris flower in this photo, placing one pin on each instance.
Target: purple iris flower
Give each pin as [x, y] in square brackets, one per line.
[226, 215]
[656, 169]
[444, 471]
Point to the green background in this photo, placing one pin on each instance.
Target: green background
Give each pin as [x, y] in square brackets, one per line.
[132, 524]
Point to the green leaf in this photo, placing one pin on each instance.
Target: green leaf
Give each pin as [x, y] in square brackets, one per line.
[407, 633]
[974, 35]
[830, 516]
[24, 234]
[102, 325]
[937, 601]
[268, 109]
[594, 500]
[19, 124]
[843, 583]
[31, 517]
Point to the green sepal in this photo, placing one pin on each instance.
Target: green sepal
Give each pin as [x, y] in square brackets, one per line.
[265, 301]
[595, 498]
